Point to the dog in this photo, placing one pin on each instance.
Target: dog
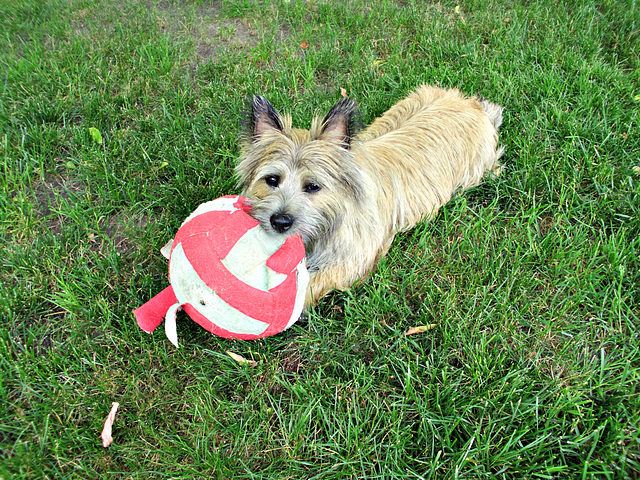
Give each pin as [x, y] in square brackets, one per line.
[346, 191]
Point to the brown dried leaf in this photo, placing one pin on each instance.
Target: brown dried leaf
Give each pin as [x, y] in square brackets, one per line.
[304, 45]
[108, 424]
[240, 359]
[343, 92]
[420, 329]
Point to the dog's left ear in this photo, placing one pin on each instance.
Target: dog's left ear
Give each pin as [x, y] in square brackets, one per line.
[341, 124]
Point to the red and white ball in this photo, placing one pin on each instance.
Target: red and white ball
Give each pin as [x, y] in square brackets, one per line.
[230, 275]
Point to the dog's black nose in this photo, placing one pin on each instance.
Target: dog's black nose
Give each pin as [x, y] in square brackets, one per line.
[281, 222]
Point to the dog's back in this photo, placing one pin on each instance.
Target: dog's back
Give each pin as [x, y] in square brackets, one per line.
[427, 103]
[434, 142]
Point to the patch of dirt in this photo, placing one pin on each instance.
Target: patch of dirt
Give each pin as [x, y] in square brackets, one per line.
[50, 194]
[54, 192]
[222, 33]
[34, 334]
[205, 26]
[79, 24]
[42, 345]
[291, 362]
[116, 229]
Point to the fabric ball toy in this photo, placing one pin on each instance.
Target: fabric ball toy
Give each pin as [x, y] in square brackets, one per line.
[229, 275]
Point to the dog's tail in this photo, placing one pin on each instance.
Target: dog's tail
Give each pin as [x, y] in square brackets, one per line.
[493, 111]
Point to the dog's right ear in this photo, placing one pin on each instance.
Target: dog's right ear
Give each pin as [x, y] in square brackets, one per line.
[261, 117]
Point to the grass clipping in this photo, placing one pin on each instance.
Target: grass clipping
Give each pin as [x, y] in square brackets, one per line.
[420, 329]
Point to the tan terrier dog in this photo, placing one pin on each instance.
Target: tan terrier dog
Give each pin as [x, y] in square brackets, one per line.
[347, 195]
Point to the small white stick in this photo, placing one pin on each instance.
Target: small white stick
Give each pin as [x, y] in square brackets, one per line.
[106, 430]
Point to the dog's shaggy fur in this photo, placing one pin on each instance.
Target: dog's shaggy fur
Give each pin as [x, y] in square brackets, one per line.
[348, 194]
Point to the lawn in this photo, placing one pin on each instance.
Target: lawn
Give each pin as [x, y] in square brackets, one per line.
[117, 118]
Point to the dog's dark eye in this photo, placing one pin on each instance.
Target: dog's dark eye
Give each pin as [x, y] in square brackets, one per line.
[312, 188]
[272, 180]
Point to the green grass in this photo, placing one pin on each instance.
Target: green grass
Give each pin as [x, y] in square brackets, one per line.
[532, 280]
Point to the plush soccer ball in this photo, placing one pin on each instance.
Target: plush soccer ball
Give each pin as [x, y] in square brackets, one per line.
[229, 275]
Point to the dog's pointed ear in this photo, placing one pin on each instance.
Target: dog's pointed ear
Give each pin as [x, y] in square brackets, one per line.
[261, 117]
[342, 123]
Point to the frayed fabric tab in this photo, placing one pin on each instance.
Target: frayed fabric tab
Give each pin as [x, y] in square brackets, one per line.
[170, 327]
[150, 315]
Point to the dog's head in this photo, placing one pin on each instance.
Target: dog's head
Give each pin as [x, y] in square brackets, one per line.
[299, 181]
